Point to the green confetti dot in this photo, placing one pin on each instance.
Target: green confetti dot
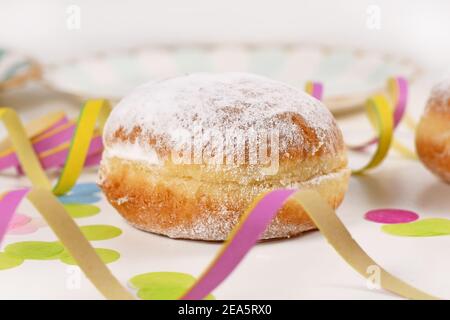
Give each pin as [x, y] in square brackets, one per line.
[422, 228]
[166, 292]
[35, 250]
[155, 278]
[8, 261]
[100, 232]
[77, 210]
[163, 285]
[107, 256]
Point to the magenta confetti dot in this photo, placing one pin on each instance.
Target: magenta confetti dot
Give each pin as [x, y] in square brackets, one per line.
[391, 216]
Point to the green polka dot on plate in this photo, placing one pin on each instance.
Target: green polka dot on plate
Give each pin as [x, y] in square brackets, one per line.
[35, 250]
[430, 227]
[163, 285]
[100, 232]
[8, 261]
[77, 210]
[107, 256]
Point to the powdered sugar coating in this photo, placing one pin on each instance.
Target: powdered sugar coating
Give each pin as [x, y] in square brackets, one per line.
[440, 96]
[227, 101]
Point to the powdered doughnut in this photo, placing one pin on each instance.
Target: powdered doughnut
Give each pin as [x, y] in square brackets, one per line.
[185, 157]
[433, 132]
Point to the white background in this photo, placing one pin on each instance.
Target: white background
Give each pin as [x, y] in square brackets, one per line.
[416, 28]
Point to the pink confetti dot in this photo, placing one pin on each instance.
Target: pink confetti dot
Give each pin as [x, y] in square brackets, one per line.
[19, 220]
[23, 224]
[25, 229]
[391, 216]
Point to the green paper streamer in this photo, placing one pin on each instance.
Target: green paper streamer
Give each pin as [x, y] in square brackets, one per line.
[423, 228]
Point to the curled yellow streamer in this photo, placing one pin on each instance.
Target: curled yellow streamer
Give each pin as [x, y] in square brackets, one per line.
[95, 111]
[407, 119]
[379, 111]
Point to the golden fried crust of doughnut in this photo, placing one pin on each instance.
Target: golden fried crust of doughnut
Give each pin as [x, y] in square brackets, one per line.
[433, 138]
[179, 207]
[143, 180]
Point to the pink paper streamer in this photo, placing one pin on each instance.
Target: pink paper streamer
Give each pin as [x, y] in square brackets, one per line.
[43, 145]
[11, 160]
[54, 140]
[244, 239]
[93, 160]
[317, 91]
[8, 206]
[59, 123]
[57, 159]
[7, 161]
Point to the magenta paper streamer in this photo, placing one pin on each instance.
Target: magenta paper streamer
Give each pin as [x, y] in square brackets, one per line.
[317, 91]
[59, 123]
[400, 108]
[93, 160]
[8, 205]
[54, 140]
[9, 160]
[57, 159]
[248, 233]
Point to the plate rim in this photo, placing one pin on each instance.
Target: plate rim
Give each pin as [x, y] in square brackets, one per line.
[357, 98]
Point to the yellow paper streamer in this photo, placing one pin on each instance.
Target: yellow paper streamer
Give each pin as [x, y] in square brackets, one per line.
[35, 127]
[77, 245]
[25, 152]
[94, 111]
[379, 112]
[327, 221]
[410, 122]
[377, 122]
[404, 150]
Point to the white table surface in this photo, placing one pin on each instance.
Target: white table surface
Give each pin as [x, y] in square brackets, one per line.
[305, 267]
